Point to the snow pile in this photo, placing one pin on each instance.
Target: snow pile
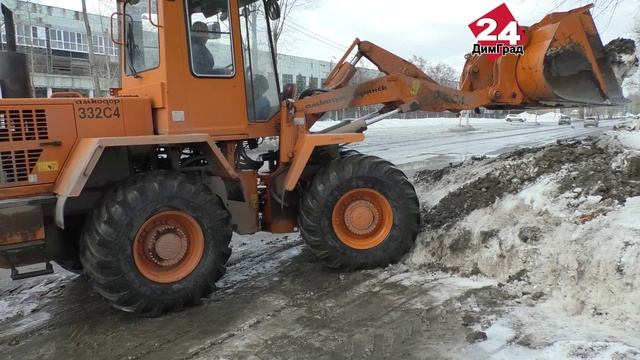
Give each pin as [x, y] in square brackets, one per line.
[500, 346]
[545, 331]
[630, 140]
[559, 222]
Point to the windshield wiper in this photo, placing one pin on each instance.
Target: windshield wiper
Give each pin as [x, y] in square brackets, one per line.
[131, 47]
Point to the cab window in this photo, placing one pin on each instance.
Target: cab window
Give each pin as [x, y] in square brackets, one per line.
[209, 29]
[142, 43]
[259, 65]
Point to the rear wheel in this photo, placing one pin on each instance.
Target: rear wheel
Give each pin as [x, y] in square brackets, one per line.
[157, 243]
[345, 151]
[359, 212]
[73, 266]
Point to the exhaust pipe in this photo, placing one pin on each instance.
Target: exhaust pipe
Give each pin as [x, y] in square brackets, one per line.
[15, 79]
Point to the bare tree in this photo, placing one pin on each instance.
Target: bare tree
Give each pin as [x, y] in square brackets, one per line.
[601, 6]
[287, 8]
[634, 81]
[420, 62]
[107, 5]
[634, 106]
[442, 73]
[92, 56]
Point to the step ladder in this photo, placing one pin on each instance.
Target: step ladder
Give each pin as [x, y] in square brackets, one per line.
[10, 257]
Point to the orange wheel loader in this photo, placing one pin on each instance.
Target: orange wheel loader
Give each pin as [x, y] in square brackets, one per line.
[143, 190]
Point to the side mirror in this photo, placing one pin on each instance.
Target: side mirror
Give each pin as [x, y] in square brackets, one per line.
[215, 31]
[273, 9]
[113, 30]
[289, 92]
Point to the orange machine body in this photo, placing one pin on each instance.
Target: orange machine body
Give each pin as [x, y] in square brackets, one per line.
[37, 136]
[215, 106]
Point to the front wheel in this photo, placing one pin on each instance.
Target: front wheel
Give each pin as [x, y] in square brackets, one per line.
[359, 212]
[156, 243]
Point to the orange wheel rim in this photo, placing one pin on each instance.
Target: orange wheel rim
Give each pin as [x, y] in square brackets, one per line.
[362, 218]
[168, 247]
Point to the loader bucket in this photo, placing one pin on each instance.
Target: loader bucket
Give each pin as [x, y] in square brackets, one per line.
[565, 62]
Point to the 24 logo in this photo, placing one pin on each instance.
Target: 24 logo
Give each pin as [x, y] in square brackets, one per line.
[498, 34]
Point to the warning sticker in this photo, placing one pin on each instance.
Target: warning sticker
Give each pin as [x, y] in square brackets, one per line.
[48, 166]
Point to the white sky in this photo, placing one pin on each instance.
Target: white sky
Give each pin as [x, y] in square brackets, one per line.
[435, 30]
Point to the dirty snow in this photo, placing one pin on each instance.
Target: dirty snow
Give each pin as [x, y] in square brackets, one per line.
[524, 269]
[557, 234]
[630, 140]
[23, 303]
[26, 301]
[10, 308]
[545, 331]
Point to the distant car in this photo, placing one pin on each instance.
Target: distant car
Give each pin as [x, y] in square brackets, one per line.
[564, 120]
[591, 121]
[512, 118]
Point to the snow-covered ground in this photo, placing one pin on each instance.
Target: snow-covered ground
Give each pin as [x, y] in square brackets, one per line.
[416, 143]
[544, 265]
[560, 225]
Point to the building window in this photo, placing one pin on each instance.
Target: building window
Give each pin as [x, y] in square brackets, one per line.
[322, 81]
[36, 36]
[22, 35]
[40, 92]
[68, 40]
[82, 46]
[104, 46]
[56, 39]
[313, 82]
[287, 79]
[39, 36]
[110, 47]
[301, 82]
[27, 35]
[98, 45]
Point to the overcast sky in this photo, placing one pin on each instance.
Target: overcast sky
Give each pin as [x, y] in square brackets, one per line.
[435, 30]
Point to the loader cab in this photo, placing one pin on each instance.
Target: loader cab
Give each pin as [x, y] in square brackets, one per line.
[208, 66]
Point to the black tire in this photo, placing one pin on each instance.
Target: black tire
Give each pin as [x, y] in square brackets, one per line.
[345, 152]
[73, 266]
[340, 177]
[108, 240]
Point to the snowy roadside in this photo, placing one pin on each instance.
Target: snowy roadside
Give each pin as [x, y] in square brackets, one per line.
[531, 254]
[558, 228]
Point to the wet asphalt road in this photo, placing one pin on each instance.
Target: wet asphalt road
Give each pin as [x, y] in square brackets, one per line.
[276, 301]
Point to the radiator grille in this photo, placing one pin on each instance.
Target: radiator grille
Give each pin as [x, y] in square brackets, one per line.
[18, 165]
[23, 125]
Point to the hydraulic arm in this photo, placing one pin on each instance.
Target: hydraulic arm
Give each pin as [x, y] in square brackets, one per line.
[564, 64]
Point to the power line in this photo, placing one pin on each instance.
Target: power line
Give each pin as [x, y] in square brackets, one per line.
[318, 41]
[315, 38]
[333, 50]
[316, 34]
[312, 35]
